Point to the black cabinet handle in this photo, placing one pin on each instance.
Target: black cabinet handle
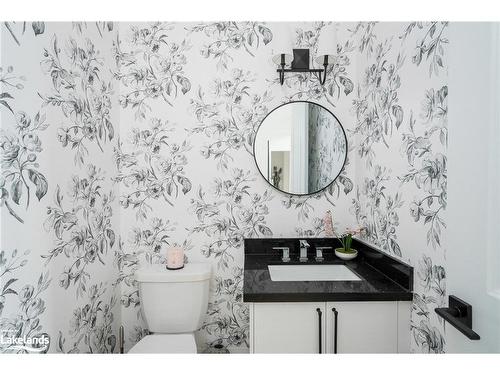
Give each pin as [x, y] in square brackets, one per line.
[320, 313]
[335, 325]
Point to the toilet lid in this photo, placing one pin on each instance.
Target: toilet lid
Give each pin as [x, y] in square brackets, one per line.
[158, 273]
[158, 343]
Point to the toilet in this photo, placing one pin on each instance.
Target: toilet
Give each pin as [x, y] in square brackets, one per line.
[173, 304]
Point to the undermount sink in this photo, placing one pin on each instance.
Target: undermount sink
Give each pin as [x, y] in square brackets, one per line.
[312, 272]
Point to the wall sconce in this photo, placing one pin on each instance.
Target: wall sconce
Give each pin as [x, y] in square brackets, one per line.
[300, 64]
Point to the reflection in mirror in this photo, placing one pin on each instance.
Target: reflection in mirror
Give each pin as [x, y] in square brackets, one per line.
[300, 148]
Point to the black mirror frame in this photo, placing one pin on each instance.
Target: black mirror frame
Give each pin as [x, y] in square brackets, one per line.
[345, 157]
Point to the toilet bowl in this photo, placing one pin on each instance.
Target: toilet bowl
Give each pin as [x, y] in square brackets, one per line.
[173, 304]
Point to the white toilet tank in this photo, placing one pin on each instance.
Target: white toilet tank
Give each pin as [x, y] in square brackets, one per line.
[174, 301]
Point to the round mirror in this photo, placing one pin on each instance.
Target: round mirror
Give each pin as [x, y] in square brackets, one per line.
[300, 148]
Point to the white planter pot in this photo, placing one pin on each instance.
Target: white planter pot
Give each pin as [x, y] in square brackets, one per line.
[346, 256]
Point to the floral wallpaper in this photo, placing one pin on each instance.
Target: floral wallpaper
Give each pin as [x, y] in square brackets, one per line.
[119, 139]
[59, 223]
[326, 148]
[400, 196]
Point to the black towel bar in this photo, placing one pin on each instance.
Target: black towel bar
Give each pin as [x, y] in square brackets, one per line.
[459, 315]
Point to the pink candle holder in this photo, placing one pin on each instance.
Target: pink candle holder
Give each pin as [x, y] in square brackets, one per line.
[328, 224]
[175, 258]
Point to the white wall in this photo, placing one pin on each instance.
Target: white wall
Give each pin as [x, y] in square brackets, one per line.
[277, 132]
[473, 211]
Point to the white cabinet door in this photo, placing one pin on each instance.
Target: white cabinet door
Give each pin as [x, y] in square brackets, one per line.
[362, 327]
[288, 327]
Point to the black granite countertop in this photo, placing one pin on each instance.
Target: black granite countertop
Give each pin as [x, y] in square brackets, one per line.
[383, 278]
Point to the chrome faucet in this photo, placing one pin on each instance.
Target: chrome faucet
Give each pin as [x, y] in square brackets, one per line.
[286, 253]
[319, 252]
[303, 250]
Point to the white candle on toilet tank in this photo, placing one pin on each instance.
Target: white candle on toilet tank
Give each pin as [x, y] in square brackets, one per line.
[175, 257]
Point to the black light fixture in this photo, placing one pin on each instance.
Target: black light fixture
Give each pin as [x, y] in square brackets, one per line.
[300, 64]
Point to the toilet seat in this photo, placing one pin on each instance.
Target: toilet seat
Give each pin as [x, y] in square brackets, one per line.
[165, 343]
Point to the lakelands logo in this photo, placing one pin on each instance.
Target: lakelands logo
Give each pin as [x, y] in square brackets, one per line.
[10, 342]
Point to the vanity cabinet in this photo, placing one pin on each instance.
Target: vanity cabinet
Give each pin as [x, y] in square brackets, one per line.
[288, 327]
[362, 327]
[303, 327]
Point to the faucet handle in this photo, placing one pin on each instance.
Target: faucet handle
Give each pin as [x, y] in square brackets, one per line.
[286, 253]
[319, 252]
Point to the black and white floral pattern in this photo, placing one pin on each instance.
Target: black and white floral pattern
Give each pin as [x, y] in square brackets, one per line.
[430, 46]
[18, 29]
[426, 169]
[72, 90]
[232, 119]
[138, 136]
[394, 195]
[378, 212]
[327, 148]
[152, 70]
[227, 322]
[234, 213]
[376, 106]
[81, 93]
[83, 230]
[154, 169]
[227, 37]
[432, 281]
[20, 146]
[91, 325]
[29, 302]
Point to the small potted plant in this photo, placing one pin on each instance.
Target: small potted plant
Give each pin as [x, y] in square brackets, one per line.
[346, 252]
